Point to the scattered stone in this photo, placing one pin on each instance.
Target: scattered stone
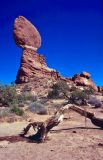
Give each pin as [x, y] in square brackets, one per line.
[4, 144]
[74, 131]
[51, 150]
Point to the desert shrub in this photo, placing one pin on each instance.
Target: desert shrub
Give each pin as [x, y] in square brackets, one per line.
[7, 94]
[4, 112]
[73, 94]
[53, 94]
[94, 101]
[37, 107]
[25, 96]
[78, 97]
[18, 111]
[59, 89]
[89, 91]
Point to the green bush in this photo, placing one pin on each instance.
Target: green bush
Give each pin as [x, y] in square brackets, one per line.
[17, 111]
[80, 96]
[25, 96]
[59, 89]
[72, 94]
[7, 94]
[53, 94]
[77, 97]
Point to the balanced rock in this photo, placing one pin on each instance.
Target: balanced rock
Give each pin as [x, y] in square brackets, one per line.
[84, 79]
[25, 34]
[32, 64]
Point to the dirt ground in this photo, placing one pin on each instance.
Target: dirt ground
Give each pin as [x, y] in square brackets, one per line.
[68, 141]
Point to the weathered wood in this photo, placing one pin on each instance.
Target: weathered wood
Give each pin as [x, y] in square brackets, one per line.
[82, 111]
[96, 121]
[43, 127]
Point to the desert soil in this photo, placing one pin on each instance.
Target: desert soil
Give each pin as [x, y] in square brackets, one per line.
[68, 141]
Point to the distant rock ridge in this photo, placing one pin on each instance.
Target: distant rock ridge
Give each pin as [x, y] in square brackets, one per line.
[33, 65]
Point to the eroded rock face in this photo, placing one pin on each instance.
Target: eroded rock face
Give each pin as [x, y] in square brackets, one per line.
[32, 64]
[84, 79]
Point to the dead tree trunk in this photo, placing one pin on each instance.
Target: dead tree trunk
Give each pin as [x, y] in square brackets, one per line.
[43, 127]
[96, 121]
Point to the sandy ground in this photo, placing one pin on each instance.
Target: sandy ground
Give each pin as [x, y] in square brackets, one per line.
[68, 141]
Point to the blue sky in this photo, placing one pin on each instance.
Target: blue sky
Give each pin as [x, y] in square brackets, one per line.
[71, 31]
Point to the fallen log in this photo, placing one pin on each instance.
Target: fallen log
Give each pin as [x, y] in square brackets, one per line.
[96, 121]
[44, 127]
[13, 138]
[41, 128]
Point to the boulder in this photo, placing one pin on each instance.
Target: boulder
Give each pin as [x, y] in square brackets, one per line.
[85, 75]
[4, 144]
[84, 79]
[25, 34]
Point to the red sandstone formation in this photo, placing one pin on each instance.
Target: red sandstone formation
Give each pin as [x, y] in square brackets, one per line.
[32, 64]
[25, 34]
[84, 79]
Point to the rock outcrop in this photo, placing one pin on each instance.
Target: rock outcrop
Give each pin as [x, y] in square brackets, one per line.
[32, 64]
[84, 79]
[100, 89]
[33, 67]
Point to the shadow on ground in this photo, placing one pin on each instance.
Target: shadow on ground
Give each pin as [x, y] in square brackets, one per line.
[35, 138]
[73, 128]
